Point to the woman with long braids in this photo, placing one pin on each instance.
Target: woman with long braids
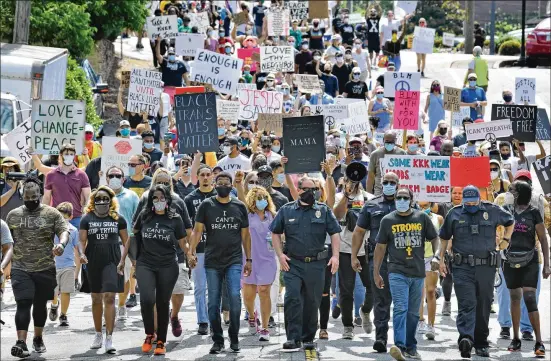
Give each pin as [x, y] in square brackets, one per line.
[100, 230]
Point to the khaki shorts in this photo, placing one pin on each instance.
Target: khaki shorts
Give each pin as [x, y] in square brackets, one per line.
[182, 284]
[65, 280]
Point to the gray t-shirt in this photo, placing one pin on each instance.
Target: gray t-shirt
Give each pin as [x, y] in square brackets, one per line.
[375, 166]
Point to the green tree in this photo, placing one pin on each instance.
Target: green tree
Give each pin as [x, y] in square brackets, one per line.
[111, 17]
[442, 15]
[78, 88]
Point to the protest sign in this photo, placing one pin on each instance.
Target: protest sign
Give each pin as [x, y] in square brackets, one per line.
[308, 83]
[523, 118]
[125, 79]
[333, 114]
[525, 90]
[457, 117]
[144, 94]
[401, 81]
[201, 20]
[221, 71]
[543, 170]
[428, 177]
[271, 122]
[499, 129]
[187, 44]
[241, 18]
[358, 119]
[470, 171]
[318, 9]
[406, 110]
[250, 86]
[423, 40]
[57, 122]
[405, 7]
[298, 10]
[447, 39]
[254, 102]
[227, 109]
[277, 59]
[165, 27]
[452, 98]
[196, 122]
[18, 142]
[278, 22]
[117, 152]
[543, 128]
[346, 101]
[304, 143]
[247, 56]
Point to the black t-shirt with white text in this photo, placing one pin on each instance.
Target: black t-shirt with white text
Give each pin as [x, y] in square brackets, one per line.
[356, 89]
[173, 72]
[524, 234]
[102, 230]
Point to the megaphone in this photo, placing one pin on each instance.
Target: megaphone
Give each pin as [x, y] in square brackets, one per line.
[355, 172]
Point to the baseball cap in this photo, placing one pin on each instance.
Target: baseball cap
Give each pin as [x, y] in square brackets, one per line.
[123, 123]
[171, 51]
[471, 194]
[264, 169]
[88, 128]
[495, 161]
[479, 120]
[231, 141]
[472, 75]
[467, 120]
[355, 140]
[523, 173]
[390, 64]
[9, 162]
[336, 37]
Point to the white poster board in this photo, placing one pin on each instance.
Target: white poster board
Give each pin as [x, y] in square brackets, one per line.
[187, 44]
[221, 71]
[457, 117]
[495, 129]
[307, 83]
[117, 152]
[164, 26]
[57, 122]
[332, 114]
[227, 110]
[201, 20]
[401, 81]
[447, 39]
[423, 40]
[276, 59]
[145, 91]
[254, 102]
[278, 22]
[404, 7]
[525, 91]
[18, 142]
[358, 119]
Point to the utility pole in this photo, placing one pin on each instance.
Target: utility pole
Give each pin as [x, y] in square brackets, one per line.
[469, 28]
[22, 22]
[493, 28]
[522, 59]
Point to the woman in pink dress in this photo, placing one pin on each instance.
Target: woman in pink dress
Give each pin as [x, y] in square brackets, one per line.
[261, 214]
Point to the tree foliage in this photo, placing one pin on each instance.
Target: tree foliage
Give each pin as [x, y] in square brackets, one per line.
[111, 17]
[78, 88]
[446, 16]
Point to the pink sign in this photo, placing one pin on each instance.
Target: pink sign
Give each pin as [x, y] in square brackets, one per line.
[247, 56]
[406, 110]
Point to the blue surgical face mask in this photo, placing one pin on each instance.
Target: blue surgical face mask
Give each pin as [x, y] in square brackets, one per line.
[389, 189]
[227, 50]
[380, 96]
[427, 211]
[125, 132]
[389, 147]
[280, 178]
[413, 147]
[221, 35]
[131, 172]
[148, 145]
[402, 205]
[275, 148]
[221, 131]
[285, 91]
[471, 209]
[472, 83]
[246, 72]
[172, 58]
[261, 204]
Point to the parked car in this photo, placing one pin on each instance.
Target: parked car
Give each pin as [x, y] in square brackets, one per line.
[98, 86]
[538, 44]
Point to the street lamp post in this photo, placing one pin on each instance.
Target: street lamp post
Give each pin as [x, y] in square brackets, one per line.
[522, 60]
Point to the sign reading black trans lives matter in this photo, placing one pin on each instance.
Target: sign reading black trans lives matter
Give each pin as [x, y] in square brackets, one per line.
[221, 71]
[196, 122]
[57, 122]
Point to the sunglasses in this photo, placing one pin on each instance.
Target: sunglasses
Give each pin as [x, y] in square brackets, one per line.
[134, 165]
[385, 183]
[310, 189]
[403, 198]
[358, 74]
[472, 79]
[494, 169]
[166, 184]
[380, 93]
[111, 176]
[253, 182]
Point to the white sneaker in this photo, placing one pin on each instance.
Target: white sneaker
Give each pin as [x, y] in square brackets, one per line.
[98, 341]
[264, 335]
[122, 312]
[109, 348]
[421, 327]
[430, 332]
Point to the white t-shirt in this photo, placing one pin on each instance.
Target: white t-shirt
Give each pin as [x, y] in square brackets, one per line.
[361, 59]
[511, 164]
[386, 28]
[231, 165]
[273, 156]
[165, 98]
[526, 165]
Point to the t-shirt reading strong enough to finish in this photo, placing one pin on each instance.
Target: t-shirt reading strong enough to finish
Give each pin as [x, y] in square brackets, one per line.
[223, 223]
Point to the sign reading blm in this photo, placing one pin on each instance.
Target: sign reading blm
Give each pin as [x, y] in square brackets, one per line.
[196, 122]
[304, 143]
[57, 122]
[523, 119]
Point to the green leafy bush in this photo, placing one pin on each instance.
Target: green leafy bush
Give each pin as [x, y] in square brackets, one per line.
[78, 88]
[510, 47]
[437, 42]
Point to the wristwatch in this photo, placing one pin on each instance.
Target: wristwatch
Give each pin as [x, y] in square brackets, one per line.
[249, 260]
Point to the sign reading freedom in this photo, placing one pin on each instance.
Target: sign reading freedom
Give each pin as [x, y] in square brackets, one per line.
[196, 122]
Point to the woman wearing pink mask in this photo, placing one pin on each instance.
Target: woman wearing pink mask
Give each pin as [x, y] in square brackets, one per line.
[421, 58]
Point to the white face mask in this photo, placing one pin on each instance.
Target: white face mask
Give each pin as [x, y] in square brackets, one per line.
[115, 183]
[494, 175]
[317, 57]
[226, 150]
[69, 159]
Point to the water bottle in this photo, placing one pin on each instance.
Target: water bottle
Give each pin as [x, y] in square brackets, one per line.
[269, 241]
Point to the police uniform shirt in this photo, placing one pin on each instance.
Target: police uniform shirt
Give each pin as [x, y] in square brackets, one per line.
[305, 228]
[371, 215]
[475, 234]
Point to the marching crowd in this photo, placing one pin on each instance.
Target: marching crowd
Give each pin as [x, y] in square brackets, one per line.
[241, 229]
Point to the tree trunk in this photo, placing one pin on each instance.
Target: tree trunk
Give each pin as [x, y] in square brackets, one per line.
[22, 22]
[469, 28]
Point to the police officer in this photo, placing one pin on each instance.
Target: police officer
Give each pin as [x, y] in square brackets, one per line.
[305, 224]
[473, 228]
[369, 220]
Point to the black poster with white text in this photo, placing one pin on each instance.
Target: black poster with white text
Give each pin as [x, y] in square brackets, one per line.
[304, 144]
[196, 122]
[523, 119]
[543, 170]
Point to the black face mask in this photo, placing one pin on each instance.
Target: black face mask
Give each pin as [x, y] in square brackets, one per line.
[223, 191]
[442, 131]
[32, 205]
[102, 208]
[308, 197]
[505, 156]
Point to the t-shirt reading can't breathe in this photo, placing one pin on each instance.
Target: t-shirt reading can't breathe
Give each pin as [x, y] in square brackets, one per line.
[223, 223]
[405, 237]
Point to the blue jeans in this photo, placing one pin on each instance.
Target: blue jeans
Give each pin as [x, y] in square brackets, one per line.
[215, 277]
[406, 296]
[504, 302]
[396, 60]
[359, 294]
[199, 277]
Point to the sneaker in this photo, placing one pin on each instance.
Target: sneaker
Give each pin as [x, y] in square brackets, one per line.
[527, 336]
[109, 348]
[515, 345]
[483, 352]
[418, 70]
[38, 344]
[505, 333]
[148, 343]
[234, 346]
[421, 327]
[465, 347]
[271, 323]
[539, 349]
[396, 353]
[20, 349]
[336, 311]
[309, 346]
[291, 346]
[63, 321]
[217, 348]
[348, 333]
[493, 308]
[447, 308]
[358, 321]
[176, 326]
[203, 329]
[366, 322]
[380, 346]
[98, 341]
[53, 312]
[413, 354]
[226, 315]
[160, 349]
[422, 74]
[122, 313]
[253, 327]
[430, 332]
[131, 301]
[323, 335]
[264, 335]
